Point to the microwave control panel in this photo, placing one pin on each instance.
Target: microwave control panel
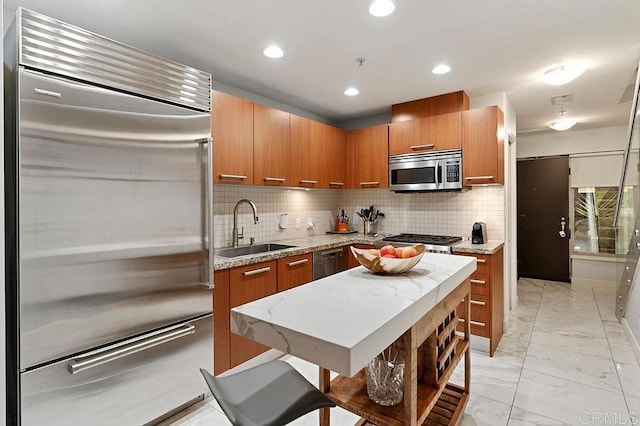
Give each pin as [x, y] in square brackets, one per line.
[453, 172]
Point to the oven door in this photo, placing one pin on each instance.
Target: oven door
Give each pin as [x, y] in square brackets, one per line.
[414, 173]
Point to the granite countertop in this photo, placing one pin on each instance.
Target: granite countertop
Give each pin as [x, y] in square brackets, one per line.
[343, 321]
[490, 247]
[328, 241]
[302, 245]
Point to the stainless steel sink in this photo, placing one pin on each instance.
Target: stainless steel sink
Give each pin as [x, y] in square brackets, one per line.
[253, 249]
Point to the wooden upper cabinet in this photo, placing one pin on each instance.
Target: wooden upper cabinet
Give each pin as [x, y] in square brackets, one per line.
[435, 105]
[483, 146]
[333, 159]
[271, 146]
[294, 271]
[426, 134]
[306, 152]
[368, 157]
[232, 132]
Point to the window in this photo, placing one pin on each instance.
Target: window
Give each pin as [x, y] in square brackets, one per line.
[594, 211]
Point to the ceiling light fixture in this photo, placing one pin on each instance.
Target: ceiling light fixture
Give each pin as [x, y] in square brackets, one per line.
[351, 91]
[381, 7]
[562, 125]
[441, 69]
[563, 74]
[273, 51]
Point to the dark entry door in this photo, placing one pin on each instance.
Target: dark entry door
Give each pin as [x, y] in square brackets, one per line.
[543, 200]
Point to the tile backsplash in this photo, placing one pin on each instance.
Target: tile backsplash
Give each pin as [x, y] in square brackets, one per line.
[444, 213]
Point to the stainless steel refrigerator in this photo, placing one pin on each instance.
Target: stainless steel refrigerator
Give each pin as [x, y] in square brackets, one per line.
[108, 223]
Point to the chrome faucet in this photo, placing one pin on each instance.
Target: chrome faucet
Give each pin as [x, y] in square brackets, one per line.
[240, 235]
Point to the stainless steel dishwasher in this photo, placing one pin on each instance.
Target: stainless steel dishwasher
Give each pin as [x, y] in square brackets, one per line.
[328, 262]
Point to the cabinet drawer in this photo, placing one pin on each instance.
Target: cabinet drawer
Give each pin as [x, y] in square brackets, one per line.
[480, 284]
[483, 262]
[294, 271]
[480, 316]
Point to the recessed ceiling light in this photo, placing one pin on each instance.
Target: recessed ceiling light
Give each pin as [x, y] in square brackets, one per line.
[563, 74]
[351, 91]
[273, 51]
[381, 7]
[441, 69]
[562, 125]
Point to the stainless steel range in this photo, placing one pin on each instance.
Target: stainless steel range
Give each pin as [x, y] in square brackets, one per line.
[433, 243]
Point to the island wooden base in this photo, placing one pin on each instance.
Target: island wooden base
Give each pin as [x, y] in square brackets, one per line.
[431, 352]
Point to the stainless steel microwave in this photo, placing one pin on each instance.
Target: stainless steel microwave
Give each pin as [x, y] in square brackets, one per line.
[433, 171]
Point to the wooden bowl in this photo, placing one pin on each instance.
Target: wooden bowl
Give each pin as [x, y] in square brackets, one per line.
[387, 265]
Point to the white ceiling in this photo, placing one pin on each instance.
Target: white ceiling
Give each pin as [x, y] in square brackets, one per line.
[492, 45]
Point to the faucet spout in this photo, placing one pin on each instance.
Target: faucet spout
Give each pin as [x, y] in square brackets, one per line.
[240, 235]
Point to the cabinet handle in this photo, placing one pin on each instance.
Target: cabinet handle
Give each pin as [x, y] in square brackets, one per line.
[369, 183]
[478, 177]
[298, 262]
[312, 182]
[478, 281]
[481, 260]
[426, 146]
[477, 302]
[479, 324]
[233, 177]
[257, 271]
[336, 183]
[270, 179]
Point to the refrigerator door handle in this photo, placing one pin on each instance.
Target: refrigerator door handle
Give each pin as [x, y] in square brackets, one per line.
[209, 284]
[112, 353]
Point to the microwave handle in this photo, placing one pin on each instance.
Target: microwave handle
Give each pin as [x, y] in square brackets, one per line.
[437, 173]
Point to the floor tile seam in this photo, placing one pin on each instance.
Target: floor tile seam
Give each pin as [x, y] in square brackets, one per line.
[536, 414]
[575, 382]
[578, 352]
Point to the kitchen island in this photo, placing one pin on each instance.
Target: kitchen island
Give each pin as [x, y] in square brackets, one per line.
[343, 321]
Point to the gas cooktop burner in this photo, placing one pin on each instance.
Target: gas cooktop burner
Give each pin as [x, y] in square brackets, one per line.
[438, 240]
[433, 243]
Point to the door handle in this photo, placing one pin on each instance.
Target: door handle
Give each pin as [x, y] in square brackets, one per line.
[208, 176]
[562, 232]
[118, 351]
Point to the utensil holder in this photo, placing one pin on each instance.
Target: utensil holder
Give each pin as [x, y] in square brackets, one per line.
[385, 380]
[342, 227]
[367, 227]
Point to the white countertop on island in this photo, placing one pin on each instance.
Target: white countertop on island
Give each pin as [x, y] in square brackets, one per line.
[343, 321]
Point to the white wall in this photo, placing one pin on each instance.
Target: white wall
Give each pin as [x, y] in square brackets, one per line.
[572, 142]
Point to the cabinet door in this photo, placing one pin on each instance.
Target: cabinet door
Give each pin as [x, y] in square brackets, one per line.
[221, 322]
[249, 283]
[306, 136]
[232, 132]
[271, 146]
[435, 105]
[332, 164]
[294, 271]
[435, 133]
[368, 157]
[483, 146]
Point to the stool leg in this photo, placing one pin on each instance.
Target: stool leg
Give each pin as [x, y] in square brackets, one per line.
[325, 383]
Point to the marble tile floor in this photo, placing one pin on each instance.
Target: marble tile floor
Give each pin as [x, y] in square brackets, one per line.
[564, 360]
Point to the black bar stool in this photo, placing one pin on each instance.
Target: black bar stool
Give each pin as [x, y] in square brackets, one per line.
[270, 394]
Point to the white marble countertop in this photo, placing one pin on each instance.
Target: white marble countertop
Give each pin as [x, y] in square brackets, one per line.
[343, 321]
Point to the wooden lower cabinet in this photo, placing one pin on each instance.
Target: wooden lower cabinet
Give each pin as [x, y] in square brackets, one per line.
[487, 299]
[352, 262]
[294, 271]
[236, 286]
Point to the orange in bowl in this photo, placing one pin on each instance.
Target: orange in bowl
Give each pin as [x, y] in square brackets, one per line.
[386, 260]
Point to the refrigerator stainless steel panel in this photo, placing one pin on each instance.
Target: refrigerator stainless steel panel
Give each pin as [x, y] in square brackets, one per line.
[112, 218]
[106, 389]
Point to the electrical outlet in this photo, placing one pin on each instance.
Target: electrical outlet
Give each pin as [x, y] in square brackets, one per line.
[297, 223]
[277, 221]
